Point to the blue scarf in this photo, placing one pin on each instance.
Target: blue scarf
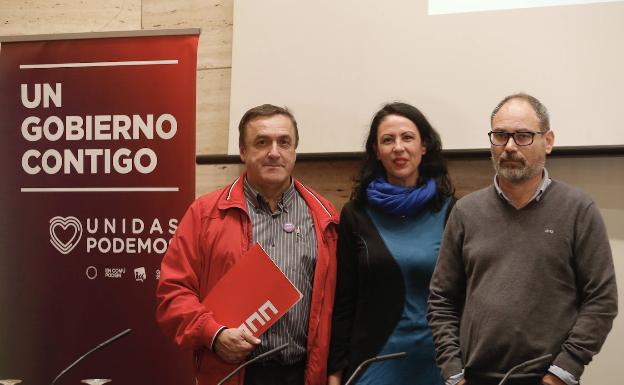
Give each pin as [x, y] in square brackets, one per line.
[398, 200]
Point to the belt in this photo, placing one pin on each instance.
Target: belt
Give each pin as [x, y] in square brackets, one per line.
[272, 364]
[474, 377]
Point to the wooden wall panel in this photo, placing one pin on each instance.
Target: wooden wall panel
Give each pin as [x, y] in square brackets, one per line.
[32, 17]
[334, 179]
[213, 110]
[214, 61]
[331, 179]
[214, 176]
[469, 175]
[214, 17]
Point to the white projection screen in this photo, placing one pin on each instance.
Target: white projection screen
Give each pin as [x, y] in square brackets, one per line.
[336, 62]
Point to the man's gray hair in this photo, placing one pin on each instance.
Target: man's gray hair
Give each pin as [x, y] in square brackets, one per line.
[538, 107]
[265, 111]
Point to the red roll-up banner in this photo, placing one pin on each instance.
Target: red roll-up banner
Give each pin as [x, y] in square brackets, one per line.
[98, 164]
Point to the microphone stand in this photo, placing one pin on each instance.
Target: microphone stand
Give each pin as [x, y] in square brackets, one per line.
[100, 346]
[365, 364]
[258, 357]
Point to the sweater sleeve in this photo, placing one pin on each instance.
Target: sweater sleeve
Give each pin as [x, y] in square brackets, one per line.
[596, 287]
[346, 295]
[446, 299]
[179, 311]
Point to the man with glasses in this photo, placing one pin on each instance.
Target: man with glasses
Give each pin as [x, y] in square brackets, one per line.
[525, 267]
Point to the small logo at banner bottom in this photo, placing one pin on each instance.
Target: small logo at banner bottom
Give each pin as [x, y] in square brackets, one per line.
[91, 272]
[139, 274]
[65, 232]
[10, 382]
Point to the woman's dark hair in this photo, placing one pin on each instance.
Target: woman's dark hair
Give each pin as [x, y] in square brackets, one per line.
[432, 164]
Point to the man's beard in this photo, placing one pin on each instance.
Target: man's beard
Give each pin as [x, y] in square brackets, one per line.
[517, 174]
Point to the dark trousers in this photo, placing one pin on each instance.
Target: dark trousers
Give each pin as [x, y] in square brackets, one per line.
[274, 374]
[508, 382]
[476, 378]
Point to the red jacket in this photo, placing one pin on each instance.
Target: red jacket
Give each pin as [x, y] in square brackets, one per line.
[211, 237]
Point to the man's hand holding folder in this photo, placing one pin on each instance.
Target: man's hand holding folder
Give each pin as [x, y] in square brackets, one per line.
[234, 345]
[247, 300]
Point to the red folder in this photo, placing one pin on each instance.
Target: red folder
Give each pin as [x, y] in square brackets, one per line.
[253, 294]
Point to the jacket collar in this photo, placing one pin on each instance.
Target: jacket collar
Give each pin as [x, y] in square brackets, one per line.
[234, 197]
[325, 213]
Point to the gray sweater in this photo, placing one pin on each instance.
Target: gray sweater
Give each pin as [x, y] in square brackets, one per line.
[511, 285]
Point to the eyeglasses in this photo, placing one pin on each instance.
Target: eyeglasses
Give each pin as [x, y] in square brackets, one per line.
[521, 138]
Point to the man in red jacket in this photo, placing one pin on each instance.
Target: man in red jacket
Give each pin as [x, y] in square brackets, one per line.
[297, 228]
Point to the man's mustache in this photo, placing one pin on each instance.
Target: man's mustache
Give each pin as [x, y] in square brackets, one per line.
[511, 156]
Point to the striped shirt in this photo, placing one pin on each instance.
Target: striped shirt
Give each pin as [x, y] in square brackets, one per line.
[288, 236]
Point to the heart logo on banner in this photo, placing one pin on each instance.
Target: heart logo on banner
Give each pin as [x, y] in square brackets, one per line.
[65, 232]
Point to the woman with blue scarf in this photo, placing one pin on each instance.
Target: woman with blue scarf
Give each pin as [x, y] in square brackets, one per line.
[389, 237]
